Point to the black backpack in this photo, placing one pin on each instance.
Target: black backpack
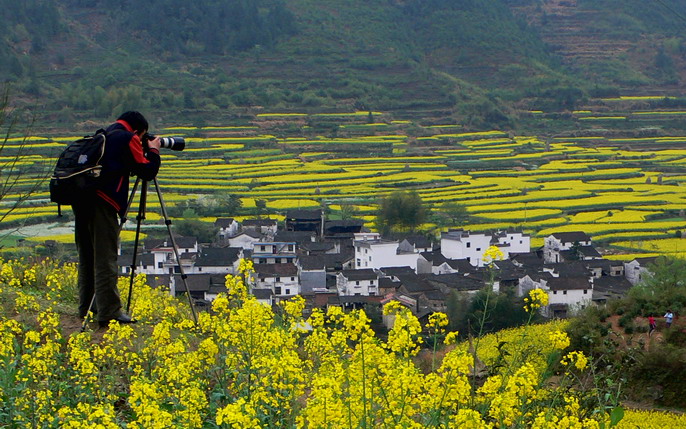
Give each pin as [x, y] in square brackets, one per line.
[78, 170]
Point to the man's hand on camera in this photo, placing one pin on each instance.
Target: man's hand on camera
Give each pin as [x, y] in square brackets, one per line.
[154, 144]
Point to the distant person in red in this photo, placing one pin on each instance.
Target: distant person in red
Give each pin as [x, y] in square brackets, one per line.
[652, 323]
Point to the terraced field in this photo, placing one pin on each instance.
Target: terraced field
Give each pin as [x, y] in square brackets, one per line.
[622, 190]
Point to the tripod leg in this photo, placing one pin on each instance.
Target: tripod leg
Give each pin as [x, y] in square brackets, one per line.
[139, 220]
[90, 308]
[168, 222]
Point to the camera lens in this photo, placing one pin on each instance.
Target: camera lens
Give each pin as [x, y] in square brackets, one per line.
[173, 143]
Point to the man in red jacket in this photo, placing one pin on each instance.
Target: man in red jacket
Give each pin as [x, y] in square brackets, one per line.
[96, 220]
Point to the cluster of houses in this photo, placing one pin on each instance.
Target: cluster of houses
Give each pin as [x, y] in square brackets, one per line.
[338, 262]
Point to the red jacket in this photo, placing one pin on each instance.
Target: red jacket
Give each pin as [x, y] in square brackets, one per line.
[124, 157]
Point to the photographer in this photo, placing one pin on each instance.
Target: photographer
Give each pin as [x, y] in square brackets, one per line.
[96, 220]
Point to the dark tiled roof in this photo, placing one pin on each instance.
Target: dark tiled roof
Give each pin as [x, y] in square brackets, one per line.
[262, 293]
[349, 223]
[249, 233]
[258, 222]
[646, 261]
[396, 271]
[571, 237]
[455, 281]
[198, 282]
[318, 246]
[304, 214]
[363, 274]
[387, 283]
[223, 222]
[611, 284]
[527, 259]
[568, 283]
[311, 262]
[218, 256]
[414, 283]
[418, 241]
[570, 268]
[299, 237]
[275, 270]
[144, 259]
[182, 242]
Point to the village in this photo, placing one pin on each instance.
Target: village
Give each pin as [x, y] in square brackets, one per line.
[340, 263]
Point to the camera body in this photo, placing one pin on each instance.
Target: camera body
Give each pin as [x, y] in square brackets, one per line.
[173, 143]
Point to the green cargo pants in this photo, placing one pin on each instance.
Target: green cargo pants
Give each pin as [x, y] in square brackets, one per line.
[96, 235]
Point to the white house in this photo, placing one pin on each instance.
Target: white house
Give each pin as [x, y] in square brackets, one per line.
[164, 258]
[361, 282]
[227, 227]
[263, 226]
[362, 236]
[515, 242]
[281, 279]
[264, 252]
[217, 260]
[636, 270]
[461, 244]
[382, 253]
[567, 295]
[245, 239]
[561, 241]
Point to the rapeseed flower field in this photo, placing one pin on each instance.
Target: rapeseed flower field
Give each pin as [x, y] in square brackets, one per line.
[246, 365]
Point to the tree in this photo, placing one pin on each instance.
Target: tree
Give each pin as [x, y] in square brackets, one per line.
[401, 210]
[19, 178]
[203, 231]
[663, 288]
[452, 213]
[347, 211]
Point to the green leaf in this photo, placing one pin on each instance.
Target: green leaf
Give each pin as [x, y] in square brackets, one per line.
[616, 416]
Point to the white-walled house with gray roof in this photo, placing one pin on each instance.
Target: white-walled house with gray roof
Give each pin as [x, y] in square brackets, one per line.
[461, 244]
[361, 282]
[382, 253]
[560, 241]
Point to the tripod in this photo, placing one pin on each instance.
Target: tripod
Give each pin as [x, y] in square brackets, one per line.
[139, 219]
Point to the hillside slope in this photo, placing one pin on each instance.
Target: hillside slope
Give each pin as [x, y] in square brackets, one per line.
[475, 61]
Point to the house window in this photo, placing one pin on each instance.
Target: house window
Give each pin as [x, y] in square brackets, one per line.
[357, 283]
[292, 279]
[469, 244]
[554, 292]
[478, 249]
[371, 282]
[177, 270]
[366, 251]
[288, 291]
[359, 262]
[564, 292]
[199, 269]
[278, 279]
[277, 290]
[159, 265]
[263, 248]
[585, 291]
[290, 247]
[277, 260]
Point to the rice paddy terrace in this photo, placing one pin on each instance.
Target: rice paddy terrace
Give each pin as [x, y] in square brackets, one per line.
[625, 190]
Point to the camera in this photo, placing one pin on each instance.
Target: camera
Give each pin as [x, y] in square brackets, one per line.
[173, 143]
